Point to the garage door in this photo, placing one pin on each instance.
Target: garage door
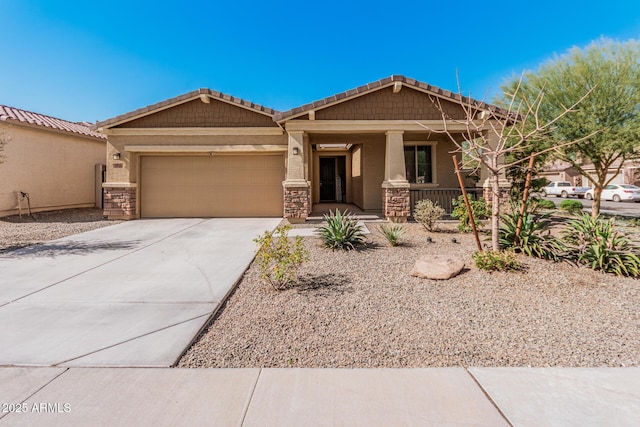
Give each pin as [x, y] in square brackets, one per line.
[211, 186]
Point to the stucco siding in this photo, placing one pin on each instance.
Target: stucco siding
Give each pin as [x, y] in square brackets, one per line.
[57, 169]
[198, 114]
[408, 104]
[373, 173]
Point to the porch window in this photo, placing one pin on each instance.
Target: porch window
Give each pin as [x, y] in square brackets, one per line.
[417, 160]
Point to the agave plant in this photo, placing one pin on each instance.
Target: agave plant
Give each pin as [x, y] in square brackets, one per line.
[534, 239]
[595, 242]
[392, 232]
[341, 232]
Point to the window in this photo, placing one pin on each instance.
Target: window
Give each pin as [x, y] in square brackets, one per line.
[417, 160]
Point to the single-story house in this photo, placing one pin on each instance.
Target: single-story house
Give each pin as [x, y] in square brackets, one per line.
[557, 170]
[51, 160]
[207, 154]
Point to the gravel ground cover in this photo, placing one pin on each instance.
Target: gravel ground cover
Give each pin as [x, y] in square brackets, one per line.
[16, 232]
[361, 309]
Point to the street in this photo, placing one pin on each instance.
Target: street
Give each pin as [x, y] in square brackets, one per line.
[608, 207]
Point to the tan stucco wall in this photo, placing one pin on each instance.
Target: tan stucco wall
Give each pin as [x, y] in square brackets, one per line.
[356, 175]
[129, 161]
[57, 169]
[373, 172]
[198, 114]
[408, 104]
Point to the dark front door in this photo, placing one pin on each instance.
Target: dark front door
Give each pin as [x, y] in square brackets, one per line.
[327, 179]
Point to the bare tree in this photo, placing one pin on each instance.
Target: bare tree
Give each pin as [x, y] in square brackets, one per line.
[491, 133]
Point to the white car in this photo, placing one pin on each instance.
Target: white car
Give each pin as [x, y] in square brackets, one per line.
[618, 193]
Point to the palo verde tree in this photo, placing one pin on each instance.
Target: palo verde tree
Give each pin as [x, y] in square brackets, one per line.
[607, 122]
[487, 135]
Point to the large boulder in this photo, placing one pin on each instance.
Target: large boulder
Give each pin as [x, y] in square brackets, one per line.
[437, 267]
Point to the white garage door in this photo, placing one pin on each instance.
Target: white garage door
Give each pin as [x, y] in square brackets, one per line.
[211, 186]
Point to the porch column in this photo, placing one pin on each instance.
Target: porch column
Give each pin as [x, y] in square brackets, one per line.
[297, 200]
[395, 187]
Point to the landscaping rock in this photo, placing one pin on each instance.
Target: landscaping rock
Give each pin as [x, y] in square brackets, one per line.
[437, 267]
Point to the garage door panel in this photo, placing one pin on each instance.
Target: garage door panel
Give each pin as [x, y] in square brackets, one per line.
[206, 186]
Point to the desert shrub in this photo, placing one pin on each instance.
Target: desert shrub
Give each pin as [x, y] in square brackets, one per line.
[572, 206]
[392, 232]
[427, 213]
[479, 208]
[545, 204]
[535, 238]
[279, 258]
[504, 260]
[341, 232]
[596, 243]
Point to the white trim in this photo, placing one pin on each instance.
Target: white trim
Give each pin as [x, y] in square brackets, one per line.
[197, 131]
[119, 185]
[205, 148]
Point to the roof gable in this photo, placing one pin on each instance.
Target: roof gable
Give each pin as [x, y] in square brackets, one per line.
[392, 95]
[11, 114]
[173, 112]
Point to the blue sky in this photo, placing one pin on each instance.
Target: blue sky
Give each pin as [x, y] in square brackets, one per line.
[95, 60]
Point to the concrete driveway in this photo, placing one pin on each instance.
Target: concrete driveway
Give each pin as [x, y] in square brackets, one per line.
[133, 294]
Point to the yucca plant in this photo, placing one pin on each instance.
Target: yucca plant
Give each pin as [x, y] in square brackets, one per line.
[595, 242]
[392, 232]
[341, 232]
[534, 239]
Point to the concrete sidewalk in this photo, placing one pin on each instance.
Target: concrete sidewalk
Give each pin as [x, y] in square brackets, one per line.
[296, 397]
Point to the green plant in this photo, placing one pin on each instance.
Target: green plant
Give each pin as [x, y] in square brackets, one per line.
[341, 232]
[545, 204]
[392, 232]
[504, 260]
[426, 212]
[574, 207]
[279, 258]
[595, 242]
[478, 207]
[534, 239]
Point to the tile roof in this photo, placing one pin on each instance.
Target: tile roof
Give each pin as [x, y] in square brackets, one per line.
[23, 116]
[183, 98]
[456, 97]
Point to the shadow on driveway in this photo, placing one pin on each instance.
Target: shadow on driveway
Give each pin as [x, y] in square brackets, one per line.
[69, 247]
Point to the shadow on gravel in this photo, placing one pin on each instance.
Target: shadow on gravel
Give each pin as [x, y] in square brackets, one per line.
[324, 284]
[70, 247]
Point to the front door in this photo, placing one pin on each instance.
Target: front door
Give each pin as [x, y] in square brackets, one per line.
[327, 179]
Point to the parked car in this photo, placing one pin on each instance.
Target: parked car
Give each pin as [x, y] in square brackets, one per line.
[563, 189]
[618, 193]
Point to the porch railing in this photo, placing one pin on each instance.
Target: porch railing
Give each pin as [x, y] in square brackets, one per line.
[443, 196]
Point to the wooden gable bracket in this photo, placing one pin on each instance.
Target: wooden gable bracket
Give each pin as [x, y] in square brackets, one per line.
[397, 86]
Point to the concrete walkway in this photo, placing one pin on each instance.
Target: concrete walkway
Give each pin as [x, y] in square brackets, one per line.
[319, 397]
[132, 294]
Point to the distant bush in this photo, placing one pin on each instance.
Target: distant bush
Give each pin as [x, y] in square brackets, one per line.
[546, 204]
[341, 232]
[479, 208]
[504, 260]
[392, 232]
[278, 258]
[571, 206]
[427, 213]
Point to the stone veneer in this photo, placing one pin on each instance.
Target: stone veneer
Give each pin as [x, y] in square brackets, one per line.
[396, 204]
[120, 202]
[297, 203]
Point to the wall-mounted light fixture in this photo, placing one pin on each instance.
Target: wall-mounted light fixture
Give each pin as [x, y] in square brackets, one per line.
[295, 151]
[116, 156]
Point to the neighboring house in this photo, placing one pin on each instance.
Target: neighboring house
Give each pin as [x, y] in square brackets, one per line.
[558, 170]
[207, 154]
[52, 160]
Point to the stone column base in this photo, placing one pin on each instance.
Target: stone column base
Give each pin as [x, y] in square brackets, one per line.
[297, 204]
[396, 204]
[505, 191]
[120, 202]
